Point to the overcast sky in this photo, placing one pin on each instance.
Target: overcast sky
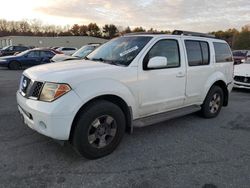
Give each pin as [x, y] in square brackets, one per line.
[197, 15]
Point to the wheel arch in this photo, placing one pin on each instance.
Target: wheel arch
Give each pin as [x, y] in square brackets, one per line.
[127, 110]
[223, 86]
[11, 61]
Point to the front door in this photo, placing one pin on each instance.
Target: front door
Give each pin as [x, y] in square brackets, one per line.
[162, 89]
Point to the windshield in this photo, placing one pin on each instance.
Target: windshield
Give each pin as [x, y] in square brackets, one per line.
[240, 53]
[5, 48]
[121, 50]
[83, 51]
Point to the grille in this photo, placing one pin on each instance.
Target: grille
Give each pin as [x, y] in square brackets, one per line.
[242, 79]
[37, 87]
[29, 88]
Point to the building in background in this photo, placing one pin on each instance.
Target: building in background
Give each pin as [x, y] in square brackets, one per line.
[62, 41]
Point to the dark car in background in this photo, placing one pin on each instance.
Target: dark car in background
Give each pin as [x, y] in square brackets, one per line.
[11, 50]
[241, 56]
[27, 58]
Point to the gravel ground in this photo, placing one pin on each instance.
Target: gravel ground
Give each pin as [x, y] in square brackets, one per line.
[183, 152]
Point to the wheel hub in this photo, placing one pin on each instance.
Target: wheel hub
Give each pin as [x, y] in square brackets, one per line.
[102, 131]
[214, 104]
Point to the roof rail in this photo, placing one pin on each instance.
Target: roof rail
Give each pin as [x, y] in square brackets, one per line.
[143, 33]
[190, 33]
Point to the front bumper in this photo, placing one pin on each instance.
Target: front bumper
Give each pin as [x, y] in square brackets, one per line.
[52, 119]
[241, 85]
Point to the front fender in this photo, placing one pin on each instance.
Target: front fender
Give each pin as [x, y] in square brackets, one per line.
[91, 89]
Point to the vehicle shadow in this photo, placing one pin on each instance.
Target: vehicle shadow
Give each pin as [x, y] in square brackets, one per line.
[241, 90]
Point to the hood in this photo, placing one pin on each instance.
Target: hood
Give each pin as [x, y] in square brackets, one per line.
[69, 71]
[8, 57]
[62, 57]
[242, 69]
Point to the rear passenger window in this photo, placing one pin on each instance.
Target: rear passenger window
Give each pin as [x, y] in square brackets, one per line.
[205, 52]
[222, 53]
[197, 52]
[47, 54]
[167, 48]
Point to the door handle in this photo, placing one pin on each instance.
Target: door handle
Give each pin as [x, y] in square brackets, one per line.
[180, 75]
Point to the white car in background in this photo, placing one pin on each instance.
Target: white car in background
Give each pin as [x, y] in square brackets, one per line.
[242, 75]
[67, 50]
[79, 54]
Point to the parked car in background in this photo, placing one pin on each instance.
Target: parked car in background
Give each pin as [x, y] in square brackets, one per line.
[11, 50]
[55, 47]
[79, 54]
[27, 58]
[242, 75]
[241, 56]
[67, 50]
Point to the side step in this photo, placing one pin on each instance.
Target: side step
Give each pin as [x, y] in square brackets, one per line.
[165, 116]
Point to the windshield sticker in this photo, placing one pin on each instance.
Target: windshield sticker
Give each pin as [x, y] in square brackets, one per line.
[129, 51]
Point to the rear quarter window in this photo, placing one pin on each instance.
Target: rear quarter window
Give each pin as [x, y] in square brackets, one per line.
[222, 53]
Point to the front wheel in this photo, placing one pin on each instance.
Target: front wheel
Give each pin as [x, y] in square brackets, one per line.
[213, 102]
[99, 129]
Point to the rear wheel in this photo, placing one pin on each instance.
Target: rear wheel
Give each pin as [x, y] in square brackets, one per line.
[14, 65]
[99, 129]
[213, 102]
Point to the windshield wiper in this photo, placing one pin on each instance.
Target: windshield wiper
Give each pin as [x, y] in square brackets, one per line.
[114, 63]
[97, 59]
[107, 61]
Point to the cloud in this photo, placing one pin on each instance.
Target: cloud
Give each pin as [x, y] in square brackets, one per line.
[198, 15]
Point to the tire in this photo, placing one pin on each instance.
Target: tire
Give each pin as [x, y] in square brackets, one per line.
[213, 102]
[14, 65]
[99, 129]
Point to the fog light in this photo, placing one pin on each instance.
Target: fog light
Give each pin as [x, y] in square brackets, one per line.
[42, 125]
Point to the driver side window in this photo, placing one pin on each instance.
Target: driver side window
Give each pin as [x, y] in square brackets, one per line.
[33, 54]
[168, 48]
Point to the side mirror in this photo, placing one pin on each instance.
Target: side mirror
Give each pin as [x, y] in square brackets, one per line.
[157, 62]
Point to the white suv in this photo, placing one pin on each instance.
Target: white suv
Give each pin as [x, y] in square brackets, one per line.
[133, 80]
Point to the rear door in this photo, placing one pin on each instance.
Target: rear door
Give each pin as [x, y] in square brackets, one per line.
[32, 58]
[198, 59]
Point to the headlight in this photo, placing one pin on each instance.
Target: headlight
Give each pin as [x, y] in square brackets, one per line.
[52, 91]
[243, 61]
[3, 60]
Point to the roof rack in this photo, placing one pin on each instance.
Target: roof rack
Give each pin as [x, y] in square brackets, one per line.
[144, 33]
[190, 33]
